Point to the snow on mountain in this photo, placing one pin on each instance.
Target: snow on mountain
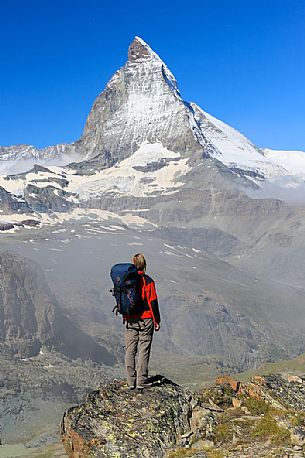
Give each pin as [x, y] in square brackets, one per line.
[28, 152]
[292, 161]
[234, 150]
[141, 103]
[20, 158]
[150, 170]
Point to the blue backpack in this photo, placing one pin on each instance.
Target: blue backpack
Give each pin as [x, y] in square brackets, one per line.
[125, 290]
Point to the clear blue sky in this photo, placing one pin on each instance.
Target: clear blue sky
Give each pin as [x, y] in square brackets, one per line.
[242, 61]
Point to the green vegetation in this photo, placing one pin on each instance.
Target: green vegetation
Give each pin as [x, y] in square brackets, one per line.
[194, 374]
[186, 452]
[223, 433]
[219, 395]
[215, 454]
[182, 452]
[298, 419]
[44, 455]
[15, 450]
[20, 450]
[267, 428]
[256, 406]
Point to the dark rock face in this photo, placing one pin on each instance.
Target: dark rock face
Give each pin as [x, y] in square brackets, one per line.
[6, 226]
[12, 204]
[34, 392]
[212, 240]
[137, 50]
[30, 223]
[48, 198]
[31, 317]
[289, 390]
[152, 166]
[24, 223]
[91, 166]
[36, 169]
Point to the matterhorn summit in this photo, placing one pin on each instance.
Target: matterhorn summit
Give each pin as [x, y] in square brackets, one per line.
[141, 103]
[139, 49]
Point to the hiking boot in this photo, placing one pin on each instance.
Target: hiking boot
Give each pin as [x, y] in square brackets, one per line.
[144, 385]
[129, 387]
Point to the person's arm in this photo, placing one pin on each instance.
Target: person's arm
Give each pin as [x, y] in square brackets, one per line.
[153, 303]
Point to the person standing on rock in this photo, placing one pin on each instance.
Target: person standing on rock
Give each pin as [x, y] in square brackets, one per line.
[140, 328]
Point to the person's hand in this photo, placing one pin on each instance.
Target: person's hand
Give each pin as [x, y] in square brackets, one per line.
[157, 327]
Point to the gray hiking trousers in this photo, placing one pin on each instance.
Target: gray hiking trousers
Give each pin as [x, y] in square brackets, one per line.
[138, 339]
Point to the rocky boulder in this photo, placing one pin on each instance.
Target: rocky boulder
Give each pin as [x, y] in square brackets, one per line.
[115, 421]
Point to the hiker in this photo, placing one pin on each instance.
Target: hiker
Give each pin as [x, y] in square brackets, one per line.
[136, 299]
[140, 328]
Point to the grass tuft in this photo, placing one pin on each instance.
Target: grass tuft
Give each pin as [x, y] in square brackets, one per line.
[256, 406]
[223, 433]
[267, 428]
[182, 452]
[215, 454]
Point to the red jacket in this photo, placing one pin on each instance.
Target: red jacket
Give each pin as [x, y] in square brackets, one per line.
[149, 297]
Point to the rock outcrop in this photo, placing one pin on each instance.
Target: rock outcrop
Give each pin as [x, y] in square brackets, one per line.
[115, 421]
[9, 203]
[231, 419]
[48, 198]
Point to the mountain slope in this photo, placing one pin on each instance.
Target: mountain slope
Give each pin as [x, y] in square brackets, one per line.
[235, 150]
[292, 161]
[31, 317]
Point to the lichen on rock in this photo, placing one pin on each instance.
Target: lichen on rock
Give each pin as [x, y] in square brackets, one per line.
[263, 417]
[117, 422]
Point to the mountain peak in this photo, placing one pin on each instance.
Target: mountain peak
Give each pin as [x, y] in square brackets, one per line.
[139, 50]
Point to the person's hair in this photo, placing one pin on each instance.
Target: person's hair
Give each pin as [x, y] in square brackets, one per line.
[139, 261]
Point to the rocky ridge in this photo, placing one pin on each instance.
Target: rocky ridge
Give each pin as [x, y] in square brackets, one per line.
[260, 418]
[27, 152]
